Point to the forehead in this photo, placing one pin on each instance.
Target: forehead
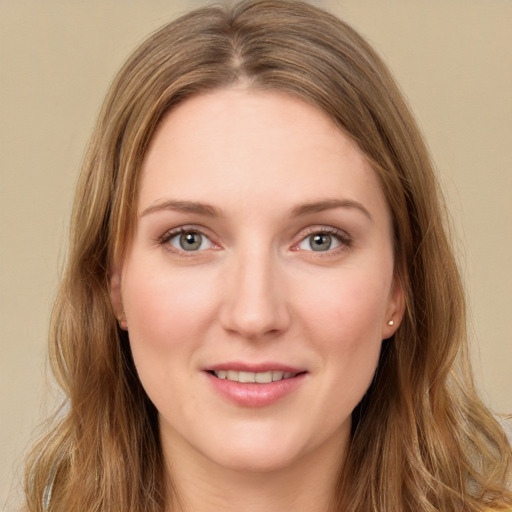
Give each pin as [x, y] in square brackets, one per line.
[239, 143]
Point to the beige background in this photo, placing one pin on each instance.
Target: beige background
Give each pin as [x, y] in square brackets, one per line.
[453, 59]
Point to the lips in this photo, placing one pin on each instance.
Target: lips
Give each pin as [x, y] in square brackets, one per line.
[254, 385]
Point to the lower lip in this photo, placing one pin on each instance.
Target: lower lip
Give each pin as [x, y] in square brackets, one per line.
[253, 394]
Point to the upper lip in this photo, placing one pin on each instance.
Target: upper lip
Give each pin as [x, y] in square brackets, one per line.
[241, 366]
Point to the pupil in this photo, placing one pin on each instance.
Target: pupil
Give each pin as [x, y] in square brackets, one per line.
[190, 241]
[320, 242]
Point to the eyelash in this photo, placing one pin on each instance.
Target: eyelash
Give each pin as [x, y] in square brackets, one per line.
[344, 240]
[172, 233]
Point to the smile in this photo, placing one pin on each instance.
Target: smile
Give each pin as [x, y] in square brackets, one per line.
[253, 377]
[255, 385]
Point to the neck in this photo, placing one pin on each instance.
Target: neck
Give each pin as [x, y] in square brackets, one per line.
[201, 485]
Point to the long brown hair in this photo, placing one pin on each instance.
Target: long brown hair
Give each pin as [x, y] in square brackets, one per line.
[421, 439]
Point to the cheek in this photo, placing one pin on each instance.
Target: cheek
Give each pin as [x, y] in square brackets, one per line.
[351, 305]
[168, 315]
[344, 322]
[165, 311]
[352, 336]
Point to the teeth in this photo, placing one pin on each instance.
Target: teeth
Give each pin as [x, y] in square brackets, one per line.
[263, 377]
[277, 376]
[259, 377]
[246, 376]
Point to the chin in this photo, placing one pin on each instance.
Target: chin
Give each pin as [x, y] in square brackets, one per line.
[255, 460]
[262, 448]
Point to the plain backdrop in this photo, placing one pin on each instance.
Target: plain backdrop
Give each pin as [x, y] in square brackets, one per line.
[452, 58]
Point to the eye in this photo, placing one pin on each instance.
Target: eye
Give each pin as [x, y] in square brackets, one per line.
[323, 241]
[189, 240]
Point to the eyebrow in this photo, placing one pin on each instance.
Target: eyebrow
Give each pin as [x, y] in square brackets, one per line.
[328, 204]
[297, 211]
[183, 207]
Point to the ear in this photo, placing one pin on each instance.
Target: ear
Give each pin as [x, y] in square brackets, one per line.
[116, 298]
[395, 309]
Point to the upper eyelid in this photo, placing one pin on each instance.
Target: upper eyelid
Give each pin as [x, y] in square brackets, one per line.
[169, 233]
[330, 230]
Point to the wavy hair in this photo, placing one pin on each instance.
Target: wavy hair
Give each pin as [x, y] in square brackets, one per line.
[422, 441]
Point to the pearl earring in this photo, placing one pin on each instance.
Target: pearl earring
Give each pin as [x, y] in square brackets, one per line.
[391, 323]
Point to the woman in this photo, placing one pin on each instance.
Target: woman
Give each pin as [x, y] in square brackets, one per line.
[261, 306]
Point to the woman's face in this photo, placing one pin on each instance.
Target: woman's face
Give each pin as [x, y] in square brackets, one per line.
[259, 284]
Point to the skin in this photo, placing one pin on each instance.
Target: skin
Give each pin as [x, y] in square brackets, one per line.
[255, 291]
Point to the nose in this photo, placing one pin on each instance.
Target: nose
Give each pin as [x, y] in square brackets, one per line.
[255, 302]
